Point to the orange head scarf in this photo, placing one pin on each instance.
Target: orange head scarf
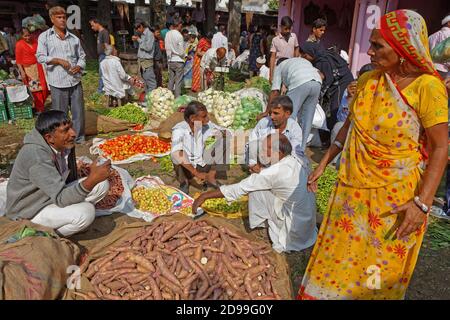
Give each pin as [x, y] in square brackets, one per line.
[406, 32]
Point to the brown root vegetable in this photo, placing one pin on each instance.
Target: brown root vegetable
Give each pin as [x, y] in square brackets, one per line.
[82, 295]
[172, 286]
[112, 297]
[167, 296]
[125, 265]
[165, 270]
[155, 289]
[212, 249]
[173, 265]
[183, 261]
[204, 286]
[230, 268]
[183, 274]
[239, 265]
[141, 261]
[197, 266]
[198, 253]
[256, 271]
[173, 231]
[138, 279]
[115, 285]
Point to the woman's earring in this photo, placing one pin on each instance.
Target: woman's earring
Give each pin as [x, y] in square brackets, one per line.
[402, 60]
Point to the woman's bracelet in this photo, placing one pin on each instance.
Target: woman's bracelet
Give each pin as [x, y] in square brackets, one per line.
[338, 144]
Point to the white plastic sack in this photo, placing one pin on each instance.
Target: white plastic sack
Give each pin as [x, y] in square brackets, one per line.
[95, 150]
[344, 55]
[320, 119]
[17, 93]
[255, 93]
[314, 139]
[3, 184]
[179, 198]
[125, 202]
[242, 58]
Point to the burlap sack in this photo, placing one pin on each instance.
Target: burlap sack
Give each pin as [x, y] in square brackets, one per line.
[96, 124]
[123, 231]
[34, 268]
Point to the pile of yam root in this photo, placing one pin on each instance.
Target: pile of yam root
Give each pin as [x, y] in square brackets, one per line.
[183, 260]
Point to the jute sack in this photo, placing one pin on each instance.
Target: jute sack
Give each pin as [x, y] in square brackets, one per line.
[35, 267]
[96, 124]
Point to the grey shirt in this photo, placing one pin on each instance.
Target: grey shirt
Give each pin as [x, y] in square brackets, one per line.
[293, 73]
[102, 39]
[146, 45]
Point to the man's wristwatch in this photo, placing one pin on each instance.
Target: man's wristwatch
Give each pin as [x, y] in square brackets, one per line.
[422, 206]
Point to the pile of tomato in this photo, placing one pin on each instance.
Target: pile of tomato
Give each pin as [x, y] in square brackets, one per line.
[127, 146]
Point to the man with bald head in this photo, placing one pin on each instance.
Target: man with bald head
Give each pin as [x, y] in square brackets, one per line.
[211, 59]
[278, 196]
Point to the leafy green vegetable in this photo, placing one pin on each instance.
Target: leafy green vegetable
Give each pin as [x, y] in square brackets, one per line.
[245, 117]
[325, 188]
[273, 5]
[259, 83]
[3, 75]
[130, 112]
[25, 124]
[166, 165]
[182, 101]
[439, 234]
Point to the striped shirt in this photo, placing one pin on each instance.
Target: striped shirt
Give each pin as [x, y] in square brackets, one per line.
[51, 46]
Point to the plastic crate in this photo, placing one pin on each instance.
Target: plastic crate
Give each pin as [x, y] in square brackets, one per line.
[21, 110]
[3, 114]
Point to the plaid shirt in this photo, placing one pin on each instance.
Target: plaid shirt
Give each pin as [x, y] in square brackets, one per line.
[51, 46]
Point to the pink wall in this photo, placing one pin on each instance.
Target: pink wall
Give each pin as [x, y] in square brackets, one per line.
[369, 11]
[334, 34]
[355, 39]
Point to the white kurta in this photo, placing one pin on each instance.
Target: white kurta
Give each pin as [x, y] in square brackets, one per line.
[278, 194]
[183, 139]
[115, 79]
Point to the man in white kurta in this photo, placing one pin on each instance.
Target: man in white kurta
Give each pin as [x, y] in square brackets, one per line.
[278, 195]
[116, 81]
[211, 59]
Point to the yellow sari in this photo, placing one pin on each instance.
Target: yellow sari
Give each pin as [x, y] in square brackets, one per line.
[357, 255]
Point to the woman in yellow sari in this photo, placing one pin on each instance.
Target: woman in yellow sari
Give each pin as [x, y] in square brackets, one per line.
[370, 237]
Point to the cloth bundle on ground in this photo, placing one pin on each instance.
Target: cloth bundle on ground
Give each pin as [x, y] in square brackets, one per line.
[34, 261]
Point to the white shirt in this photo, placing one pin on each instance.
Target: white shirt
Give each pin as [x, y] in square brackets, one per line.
[266, 127]
[293, 206]
[174, 43]
[219, 41]
[115, 79]
[293, 73]
[264, 72]
[209, 60]
[183, 139]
